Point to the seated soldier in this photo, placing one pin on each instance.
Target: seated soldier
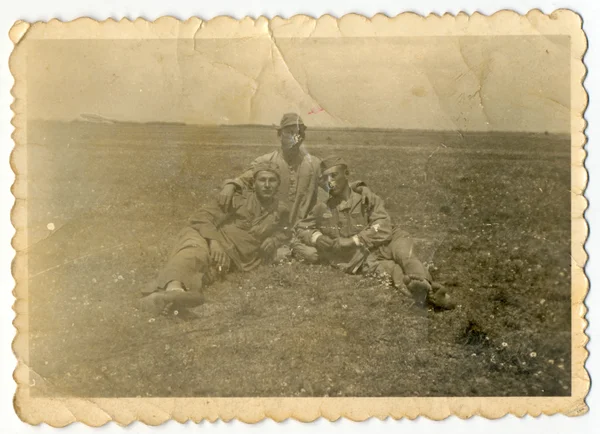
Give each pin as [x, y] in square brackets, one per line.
[243, 238]
[359, 238]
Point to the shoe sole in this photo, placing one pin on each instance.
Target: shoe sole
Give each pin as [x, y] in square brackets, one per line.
[441, 300]
[419, 292]
[154, 303]
[187, 300]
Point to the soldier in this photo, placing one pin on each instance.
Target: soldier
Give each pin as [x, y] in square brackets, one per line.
[300, 178]
[243, 238]
[359, 238]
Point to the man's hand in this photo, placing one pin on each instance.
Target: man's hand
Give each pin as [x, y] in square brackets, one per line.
[343, 243]
[268, 247]
[323, 243]
[225, 196]
[218, 255]
[368, 197]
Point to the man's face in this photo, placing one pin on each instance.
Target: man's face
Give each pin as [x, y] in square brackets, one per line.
[290, 137]
[266, 184]
[336, 180]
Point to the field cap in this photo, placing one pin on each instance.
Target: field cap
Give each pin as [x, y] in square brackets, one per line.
[289, 119]
[267, 166]
[332, 161]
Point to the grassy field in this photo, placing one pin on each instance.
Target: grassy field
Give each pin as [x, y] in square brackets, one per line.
[489, 212]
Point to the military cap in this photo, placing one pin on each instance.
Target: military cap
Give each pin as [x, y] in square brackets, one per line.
[332, 161]
[289, 119]
[267, 166]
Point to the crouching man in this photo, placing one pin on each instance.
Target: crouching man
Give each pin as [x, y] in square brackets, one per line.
[216, 242]
[359, 238]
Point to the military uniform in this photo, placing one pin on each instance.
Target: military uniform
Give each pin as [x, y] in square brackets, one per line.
[299, 181]
[378, 246]
[240, 231]
[299, 189]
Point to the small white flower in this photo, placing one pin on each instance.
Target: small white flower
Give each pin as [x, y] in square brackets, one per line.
[533, 354]
[504, 344]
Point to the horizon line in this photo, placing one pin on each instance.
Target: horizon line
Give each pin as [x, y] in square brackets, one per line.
[96, 119]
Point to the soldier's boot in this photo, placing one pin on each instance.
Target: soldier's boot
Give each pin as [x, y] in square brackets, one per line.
[419, 289]
[153, 299]
[173, 297]
[155, 302]
[439, 297]
[403, 289]
[185, 299]
[164, 301]
[150, 288]
[182, 298]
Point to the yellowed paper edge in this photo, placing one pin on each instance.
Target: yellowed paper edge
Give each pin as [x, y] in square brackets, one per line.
[98, 411]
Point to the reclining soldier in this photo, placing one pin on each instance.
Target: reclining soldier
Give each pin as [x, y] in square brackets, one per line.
[216, 242]
[360, 239]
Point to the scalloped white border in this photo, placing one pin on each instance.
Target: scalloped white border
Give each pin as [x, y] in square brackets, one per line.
[153, 411]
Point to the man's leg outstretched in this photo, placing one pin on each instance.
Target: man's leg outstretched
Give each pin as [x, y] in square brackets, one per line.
[179, 283]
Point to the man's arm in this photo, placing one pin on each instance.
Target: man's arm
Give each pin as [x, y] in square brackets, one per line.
[245, 181]
[379, 229]
[209, 219]
[361, 188]
[281, 234]
[307, 230]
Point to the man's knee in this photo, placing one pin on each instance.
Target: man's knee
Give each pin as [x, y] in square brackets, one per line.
[191, 238]
[306, 253]
[402, 248]
[192, 243]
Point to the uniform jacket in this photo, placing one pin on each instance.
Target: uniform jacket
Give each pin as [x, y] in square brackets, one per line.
[370, 222]
[243, 228]
[308, 175]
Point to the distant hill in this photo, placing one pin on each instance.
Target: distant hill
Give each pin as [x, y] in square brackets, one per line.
[97, 119]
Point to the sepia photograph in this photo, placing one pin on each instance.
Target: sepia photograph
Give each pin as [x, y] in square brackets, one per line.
[294, 209]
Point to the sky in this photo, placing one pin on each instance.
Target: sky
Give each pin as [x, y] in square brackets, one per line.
[508, 83]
